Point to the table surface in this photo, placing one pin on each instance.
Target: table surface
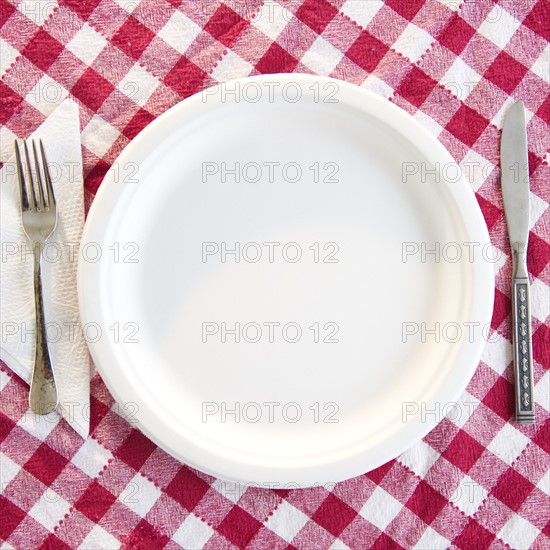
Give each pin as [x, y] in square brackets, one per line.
[476, 481]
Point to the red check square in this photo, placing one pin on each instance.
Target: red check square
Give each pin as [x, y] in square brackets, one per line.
[541, 354]
[334, 515]
[187, 488]
[383, 542]
[147, 537]
[538, 254]
[379, 473]
[6, 423]
[501, 309]
[45, 464]
[92, 89]
[475, 536]
[43, 50]
[11, 515]
[505, 72]
[135, 450]
[276, 60]
[406, 8]
[84, 8]
[367, 51]
[95, 501]
[456, 35]
[491, 213]
[51, 542]
[6, 10]
[538, 19]
[316, 14]
[512, 489]
[9, 105]
[93, 181]
[500, 398]
[544, 113]
[416, 87]
[463, 451]
[426, 502]
[98, 410]
[239, 527]
[185, 78]
[226, 25]
[467, 125]
[133, 38]
[141, 119]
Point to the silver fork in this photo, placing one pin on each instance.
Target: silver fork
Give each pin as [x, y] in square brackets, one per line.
[39, 217]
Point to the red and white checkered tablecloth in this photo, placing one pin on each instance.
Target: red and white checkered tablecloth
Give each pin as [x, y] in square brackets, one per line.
[478, 480]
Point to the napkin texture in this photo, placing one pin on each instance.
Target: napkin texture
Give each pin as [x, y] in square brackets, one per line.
[60, 134]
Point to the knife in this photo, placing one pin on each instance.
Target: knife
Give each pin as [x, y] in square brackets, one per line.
[515, 192]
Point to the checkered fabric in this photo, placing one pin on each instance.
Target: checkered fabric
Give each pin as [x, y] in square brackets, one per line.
[478, 480]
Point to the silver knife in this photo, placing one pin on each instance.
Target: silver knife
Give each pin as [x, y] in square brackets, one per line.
[515, 191]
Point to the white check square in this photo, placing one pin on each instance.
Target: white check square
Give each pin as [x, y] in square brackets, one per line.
[138, 84]
[37, 11]
[99, 135]
[377, 86]
[433, 540]
[544, 483]
[271, 19]
[179, 31]
[46, 95]
[8, 470]
[40, 426]
[508, 444]
[8, 54]
[541, 67]
[140, 495]
[91, 458]
[100, 539]
[322, 57]
[460, 79]
[497, 352]
[518, 532]
[428, 122]
[4, 379]
[49, 509]
[468, 496]
[419, 458]
[193, 532]
[361, 12]
[87, 44]
[413, 42]
[499, 26]
[476, 169]
[380, 509]
[230, 67]
[542, 391]
[286, 521]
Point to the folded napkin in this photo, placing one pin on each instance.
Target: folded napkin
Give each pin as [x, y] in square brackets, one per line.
[60, 134]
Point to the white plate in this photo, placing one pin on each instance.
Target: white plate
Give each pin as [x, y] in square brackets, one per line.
[169, 193]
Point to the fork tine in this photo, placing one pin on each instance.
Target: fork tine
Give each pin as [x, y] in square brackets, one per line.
[32, 194]
[47, 178]
[21, 178]
[42, 204]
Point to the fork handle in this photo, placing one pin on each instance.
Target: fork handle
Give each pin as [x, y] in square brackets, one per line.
[43, 392]
[521, 340]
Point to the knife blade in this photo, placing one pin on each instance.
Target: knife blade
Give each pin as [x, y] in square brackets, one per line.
[515, 193]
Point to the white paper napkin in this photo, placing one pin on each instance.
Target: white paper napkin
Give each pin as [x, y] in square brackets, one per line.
[60, 134]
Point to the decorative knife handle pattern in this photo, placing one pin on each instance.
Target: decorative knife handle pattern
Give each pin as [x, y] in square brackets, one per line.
[523, 355]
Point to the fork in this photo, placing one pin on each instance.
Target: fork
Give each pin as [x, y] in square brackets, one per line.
[39, 218]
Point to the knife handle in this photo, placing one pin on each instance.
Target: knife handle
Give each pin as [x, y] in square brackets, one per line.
[521, 341]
